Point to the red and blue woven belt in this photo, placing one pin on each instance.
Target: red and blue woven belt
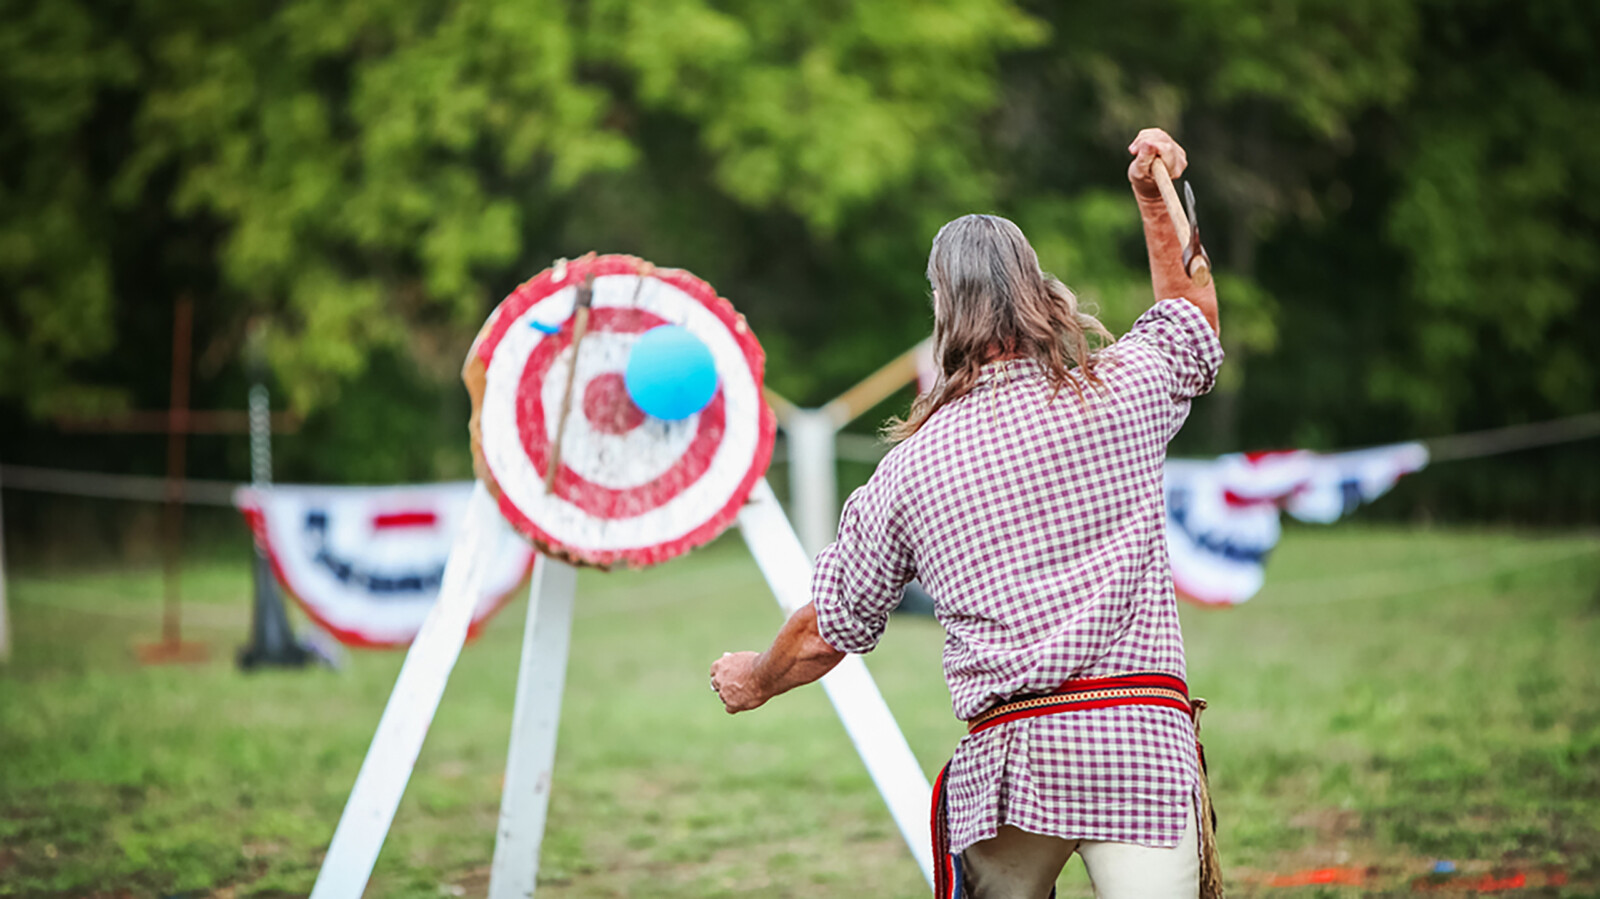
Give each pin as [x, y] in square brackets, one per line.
[1089, 693]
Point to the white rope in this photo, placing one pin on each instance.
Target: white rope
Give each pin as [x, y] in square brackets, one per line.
[861, 448]
[1493, 442]
[99, 485]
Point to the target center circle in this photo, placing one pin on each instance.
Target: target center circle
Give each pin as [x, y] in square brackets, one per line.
[607, 406]
[626, 461]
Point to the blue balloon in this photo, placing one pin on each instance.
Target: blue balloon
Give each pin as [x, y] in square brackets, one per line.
[670, 373]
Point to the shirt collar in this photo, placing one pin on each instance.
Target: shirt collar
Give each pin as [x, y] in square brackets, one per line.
[1004, 371]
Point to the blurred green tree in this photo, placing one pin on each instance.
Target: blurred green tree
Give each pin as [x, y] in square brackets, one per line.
[355, 175]
[1397, 193]
[1496, 212]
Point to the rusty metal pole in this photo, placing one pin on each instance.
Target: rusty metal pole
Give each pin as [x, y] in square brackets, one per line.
[177, 434]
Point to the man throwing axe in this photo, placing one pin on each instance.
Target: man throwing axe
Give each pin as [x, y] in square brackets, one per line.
[1026, 494]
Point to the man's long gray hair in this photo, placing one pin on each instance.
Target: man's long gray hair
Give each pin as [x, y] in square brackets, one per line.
[991, 301]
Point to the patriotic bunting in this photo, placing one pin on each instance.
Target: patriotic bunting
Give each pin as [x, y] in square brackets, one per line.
[1222, 514]
[366, 562]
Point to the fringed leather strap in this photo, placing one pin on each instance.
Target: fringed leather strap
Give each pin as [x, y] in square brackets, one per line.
[1210, 858]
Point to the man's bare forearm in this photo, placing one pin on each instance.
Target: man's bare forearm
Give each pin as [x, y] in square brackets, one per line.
[1167, 277]
[798, 655]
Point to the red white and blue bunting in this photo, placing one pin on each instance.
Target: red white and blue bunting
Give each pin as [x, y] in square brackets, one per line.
[1222, 514]
[366, 563]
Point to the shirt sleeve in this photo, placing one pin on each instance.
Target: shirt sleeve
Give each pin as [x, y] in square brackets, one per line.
[1179, 335]
[861, 576]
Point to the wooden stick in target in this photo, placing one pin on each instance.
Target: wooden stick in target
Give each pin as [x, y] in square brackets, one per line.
[1195, 262]
[580, 327]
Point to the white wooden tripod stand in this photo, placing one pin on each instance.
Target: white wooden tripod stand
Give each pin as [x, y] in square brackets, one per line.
[541, 676]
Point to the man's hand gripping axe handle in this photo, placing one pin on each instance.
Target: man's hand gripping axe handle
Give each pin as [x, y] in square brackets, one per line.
[1195, 261]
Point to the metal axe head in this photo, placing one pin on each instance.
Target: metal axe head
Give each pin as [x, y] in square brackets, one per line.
[1194, 247]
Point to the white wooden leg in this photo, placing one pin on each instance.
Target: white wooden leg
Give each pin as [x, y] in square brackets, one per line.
[866, 717]
[387, 768]
[813, 484]
[534, 724]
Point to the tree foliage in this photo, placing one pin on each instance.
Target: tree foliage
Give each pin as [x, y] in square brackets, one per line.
[1399, 195]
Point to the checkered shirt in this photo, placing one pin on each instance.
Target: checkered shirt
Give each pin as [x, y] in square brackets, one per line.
[1037, 523]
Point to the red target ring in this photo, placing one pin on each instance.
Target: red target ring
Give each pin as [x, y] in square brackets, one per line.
[630, 489]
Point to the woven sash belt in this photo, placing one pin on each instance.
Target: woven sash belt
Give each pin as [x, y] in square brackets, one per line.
[1078, 695]
[1090, 693]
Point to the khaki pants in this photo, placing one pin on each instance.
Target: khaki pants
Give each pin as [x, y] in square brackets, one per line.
[1015, 864]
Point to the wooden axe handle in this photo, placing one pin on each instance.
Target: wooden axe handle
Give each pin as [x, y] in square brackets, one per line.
[1199, 268]
[1169, 194]
[580, 327]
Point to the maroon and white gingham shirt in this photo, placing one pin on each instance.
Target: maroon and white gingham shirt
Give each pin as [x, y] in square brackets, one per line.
[1038, 526]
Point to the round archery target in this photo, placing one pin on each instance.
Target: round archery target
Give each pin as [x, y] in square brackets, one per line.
[629, 487]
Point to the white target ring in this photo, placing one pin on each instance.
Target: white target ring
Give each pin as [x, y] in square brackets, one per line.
[630, 488]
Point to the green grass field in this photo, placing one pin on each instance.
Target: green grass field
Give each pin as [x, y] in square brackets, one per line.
[1394, 697]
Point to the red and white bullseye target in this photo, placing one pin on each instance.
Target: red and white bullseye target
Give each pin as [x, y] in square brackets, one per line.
[630, 488]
